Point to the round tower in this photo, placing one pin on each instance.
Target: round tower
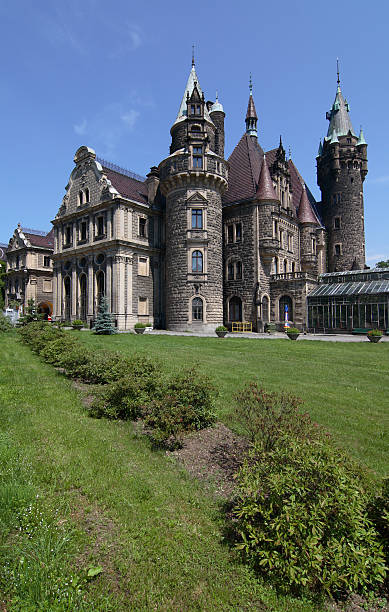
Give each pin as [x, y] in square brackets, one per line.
[341, 170]
[193, 178]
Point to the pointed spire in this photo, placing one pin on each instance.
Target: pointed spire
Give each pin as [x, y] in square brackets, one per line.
[251, 115]
[338, 116]
[265, 189]
[320, 151]
[192, 83]
[193, 59]
[305, 213]
[361, 139]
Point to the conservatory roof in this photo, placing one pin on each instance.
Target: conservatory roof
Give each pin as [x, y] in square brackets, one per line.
[361, 288]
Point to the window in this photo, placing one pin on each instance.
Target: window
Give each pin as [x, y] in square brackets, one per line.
[197, 162]
[336, 198]
[142, 227]
[87, 195]
[83, 228]
[338, 250]
[143, 266]
[230, 233]
[80, 198]
[17, 261]
[196, 128]
[47, 286]
[238, 232]
[68, 235]
[197, 218]
[100, 226]
[143, 306]
[100, 258]
[198, 109]
[197, 150]
[313, 246]
[337, 223]
[197, 261]
[230, 271]
[46, 261]
[238, 270]
[192, 109]
[197, 309]
[16, 285]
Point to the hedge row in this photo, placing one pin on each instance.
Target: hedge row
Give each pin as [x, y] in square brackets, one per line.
[133, 387]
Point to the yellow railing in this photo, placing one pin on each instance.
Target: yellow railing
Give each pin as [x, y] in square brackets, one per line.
[242, 326]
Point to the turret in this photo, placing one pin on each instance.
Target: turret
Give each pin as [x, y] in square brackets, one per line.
[193, 178]
[341, 170]
[308, 238]
[268, 203]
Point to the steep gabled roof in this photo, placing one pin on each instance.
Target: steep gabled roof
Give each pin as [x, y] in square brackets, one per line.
[44, 242]
[305, 212]
[127, 186]
[245, 165]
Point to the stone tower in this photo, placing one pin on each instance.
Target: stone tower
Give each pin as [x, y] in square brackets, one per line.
[341, 170]
[193, 178]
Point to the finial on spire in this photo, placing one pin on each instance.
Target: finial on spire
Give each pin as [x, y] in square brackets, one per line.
[280, 141]
[337, 71]
[193, 59]
[290, 153]
[251, 85]
[217, 96]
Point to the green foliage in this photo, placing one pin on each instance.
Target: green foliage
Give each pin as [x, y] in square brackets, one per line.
[300, 513]
[30, 314]
[374, 332]
[103, 323]
[54, 350]
[125, 399]
[141, 325]
[383, 264]
[266, 416]
[2, 283]
[378, 512]
[292, 330]
[5, 323]
[221, 328]
[78, 322]
[38, 334]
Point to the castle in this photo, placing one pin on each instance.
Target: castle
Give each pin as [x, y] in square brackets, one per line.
[203, 240]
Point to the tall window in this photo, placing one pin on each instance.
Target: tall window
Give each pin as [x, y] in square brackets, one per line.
[83, 230]
[230, 271]
[238, 232]
[100, 226]
[197, 261]
[197, 218]
[142, 227]
[238, 270]
[235, 309]
[285, 305]
[68, 235]
[67, 287]
[83, 297]
[197, 309]
[46, 261]
[100, 281]
[230, 233]
[338, 249]
[197, 162]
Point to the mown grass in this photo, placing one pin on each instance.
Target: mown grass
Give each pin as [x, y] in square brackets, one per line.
[344, 385]
[77, 493]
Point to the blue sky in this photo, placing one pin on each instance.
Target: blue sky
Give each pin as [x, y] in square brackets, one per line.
[112, 75]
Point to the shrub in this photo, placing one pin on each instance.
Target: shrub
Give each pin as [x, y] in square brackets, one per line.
[125, 399]
[5, 323]
[141, 325]
[78, 322]
[374, 332]
[102, 368]
[221, 328]
[300, 517]
[266, 416]
[54, 351]
[74, 359]
[185, 404]
[292, 330]
[378, 512]
[39, 333]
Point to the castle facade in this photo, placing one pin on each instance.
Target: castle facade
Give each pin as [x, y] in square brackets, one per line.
[202, 240]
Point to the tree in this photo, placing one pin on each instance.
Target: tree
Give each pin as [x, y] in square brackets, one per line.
[31, 313]
[382, 264]
[2, 283]
[104, 324]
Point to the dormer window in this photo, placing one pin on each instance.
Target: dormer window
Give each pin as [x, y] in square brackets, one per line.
[80, 198]
[192, 109]
[198, 109]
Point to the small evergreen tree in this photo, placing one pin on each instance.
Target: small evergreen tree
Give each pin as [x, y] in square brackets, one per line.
[31, 313]
[104, 323]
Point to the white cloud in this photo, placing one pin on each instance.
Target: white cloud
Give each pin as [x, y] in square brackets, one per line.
[80, 128]
[375, 258]
[130, 118]
[135, 37]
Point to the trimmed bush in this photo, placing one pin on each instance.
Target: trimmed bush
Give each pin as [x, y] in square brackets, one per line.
[300, 513]
[5, 323]
[54, 351]
[125, 399]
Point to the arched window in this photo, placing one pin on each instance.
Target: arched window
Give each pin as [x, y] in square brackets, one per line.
[285, 305]
[87, 195]
[80, 198]
[265, 308]
[68, 297]
[197, 261]
[83, 297]
[100, 281]
[197, 309]
[235, 309]
[293, 266]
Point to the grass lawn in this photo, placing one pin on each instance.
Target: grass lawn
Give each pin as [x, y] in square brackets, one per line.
[345, 386]
[78, 493]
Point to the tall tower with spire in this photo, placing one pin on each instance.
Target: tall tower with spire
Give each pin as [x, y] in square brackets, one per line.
[193, 178]
[341, 170]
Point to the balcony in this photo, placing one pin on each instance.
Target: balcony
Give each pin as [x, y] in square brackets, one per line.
[269, 247]
[293, 276]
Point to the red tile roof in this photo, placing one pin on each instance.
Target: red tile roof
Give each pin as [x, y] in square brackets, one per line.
[265, 189]
[245, 164]
[127, 187]
[45, 242]
[305, 212]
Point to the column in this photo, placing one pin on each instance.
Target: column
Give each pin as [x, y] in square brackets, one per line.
[121, 285]
[74, 291]
[129, 284]
[115, 277]
[58, 293]
[108, 282]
